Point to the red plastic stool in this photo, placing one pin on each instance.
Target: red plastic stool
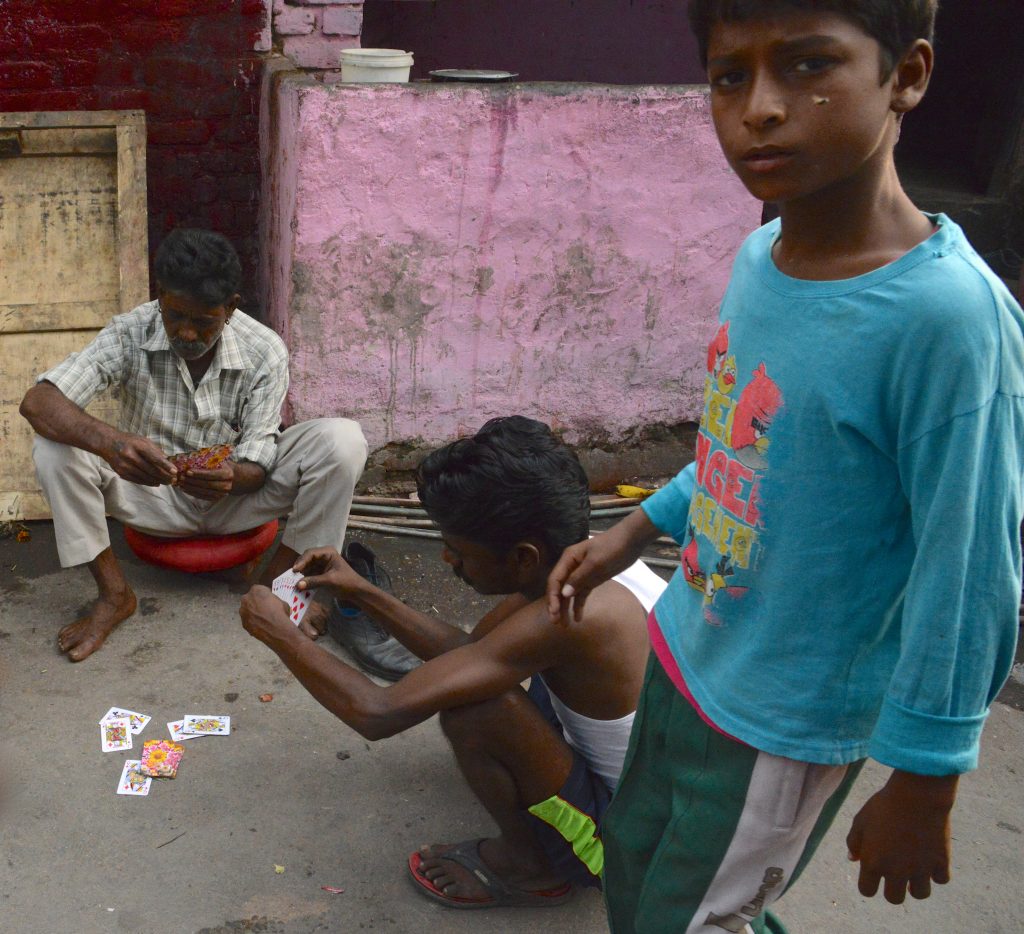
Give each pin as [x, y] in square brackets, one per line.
[202, 553]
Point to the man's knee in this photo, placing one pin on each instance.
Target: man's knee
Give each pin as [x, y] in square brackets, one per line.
[51, 458]
[342, 444]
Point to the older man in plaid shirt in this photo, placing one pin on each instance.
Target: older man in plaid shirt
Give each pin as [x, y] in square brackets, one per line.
[192, 371]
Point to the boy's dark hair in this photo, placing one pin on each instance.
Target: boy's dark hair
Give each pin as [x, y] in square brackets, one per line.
[200, 264]
[895, 24]
[512, 481]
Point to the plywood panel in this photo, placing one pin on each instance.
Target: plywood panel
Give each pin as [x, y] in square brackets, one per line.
[74, 253]
[25, 356]
[58, 229]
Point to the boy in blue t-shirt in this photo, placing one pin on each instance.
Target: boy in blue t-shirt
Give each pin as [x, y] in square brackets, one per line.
[850, 566]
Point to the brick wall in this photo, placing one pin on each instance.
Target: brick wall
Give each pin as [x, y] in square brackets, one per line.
[312, 33]
[194, 67]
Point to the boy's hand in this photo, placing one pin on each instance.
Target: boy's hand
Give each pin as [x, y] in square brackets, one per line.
[324, 567]
[572, 579]
[902, 834]
[265, 617]
[587, 564]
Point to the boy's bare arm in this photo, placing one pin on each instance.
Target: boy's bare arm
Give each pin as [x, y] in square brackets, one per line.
[425, 636]
[587, 564]
[902, 835]
[468, 674]
[55, 417]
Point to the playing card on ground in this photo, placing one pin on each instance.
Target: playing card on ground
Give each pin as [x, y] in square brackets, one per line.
[133, 783]
[139, 720]
[116, 734]
[160, 758]
[174, 728]
[206, 725]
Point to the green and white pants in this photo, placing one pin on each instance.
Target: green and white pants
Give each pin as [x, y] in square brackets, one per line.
[704, 832]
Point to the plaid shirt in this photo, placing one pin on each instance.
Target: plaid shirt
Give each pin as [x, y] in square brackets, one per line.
[238, 400]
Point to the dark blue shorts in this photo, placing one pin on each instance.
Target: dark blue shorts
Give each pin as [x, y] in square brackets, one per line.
[568, 824]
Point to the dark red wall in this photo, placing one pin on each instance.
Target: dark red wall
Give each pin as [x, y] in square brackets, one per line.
[188, 63]
[609, 41]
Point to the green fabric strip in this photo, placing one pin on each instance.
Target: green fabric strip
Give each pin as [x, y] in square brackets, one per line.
[578, 829]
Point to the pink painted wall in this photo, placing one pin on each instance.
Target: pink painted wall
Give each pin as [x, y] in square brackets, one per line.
[459, 252]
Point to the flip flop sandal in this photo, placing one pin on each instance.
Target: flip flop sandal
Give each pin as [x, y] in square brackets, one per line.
[500, 894]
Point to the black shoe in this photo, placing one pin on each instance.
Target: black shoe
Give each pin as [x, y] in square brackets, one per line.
[367, 642]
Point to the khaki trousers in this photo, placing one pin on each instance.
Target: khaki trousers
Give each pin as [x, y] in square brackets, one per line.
[318, 464]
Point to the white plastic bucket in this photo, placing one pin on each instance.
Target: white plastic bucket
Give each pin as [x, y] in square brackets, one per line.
[373, 65]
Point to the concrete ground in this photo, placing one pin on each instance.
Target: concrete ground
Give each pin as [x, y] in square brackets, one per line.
[294, 787]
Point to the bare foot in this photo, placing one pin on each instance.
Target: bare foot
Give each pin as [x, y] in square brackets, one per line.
[314, 623]
[456, 881]
[81, 638]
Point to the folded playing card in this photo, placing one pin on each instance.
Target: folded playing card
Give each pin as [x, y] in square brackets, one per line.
[206, 725]
[139, 720]
[160, 758]
[298, 601]
[116, 734]
[132, 781]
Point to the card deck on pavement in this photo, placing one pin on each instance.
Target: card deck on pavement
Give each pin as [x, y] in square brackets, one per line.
[298, 600]
[139, 720]
[160, 758]
[206, 725]
[116, 734]
[132, 782]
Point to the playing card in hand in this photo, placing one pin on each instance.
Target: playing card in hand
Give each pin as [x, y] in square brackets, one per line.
[203, 459]
[297, 600]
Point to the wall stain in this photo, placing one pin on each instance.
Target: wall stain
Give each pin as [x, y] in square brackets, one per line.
[592, 280]
[391, 285]
[484, 280]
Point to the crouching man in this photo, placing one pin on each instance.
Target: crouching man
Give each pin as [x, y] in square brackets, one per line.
[192, 371]
[545, 761]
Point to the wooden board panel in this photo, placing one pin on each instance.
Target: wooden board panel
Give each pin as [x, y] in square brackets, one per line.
[57, 316]
[25, 356]
[73, 141]
[58, 229]
[74, 253]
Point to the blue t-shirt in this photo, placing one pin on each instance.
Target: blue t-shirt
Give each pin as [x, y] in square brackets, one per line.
[850, 572]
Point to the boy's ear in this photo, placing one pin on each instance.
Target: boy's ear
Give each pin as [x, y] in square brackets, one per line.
[527, 557]
[910, 77]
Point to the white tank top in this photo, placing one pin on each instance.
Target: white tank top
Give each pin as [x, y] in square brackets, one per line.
[603, 742]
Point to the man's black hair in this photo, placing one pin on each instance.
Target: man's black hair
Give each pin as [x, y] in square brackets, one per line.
[200, 264]
[513, 481]
[895, 24]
